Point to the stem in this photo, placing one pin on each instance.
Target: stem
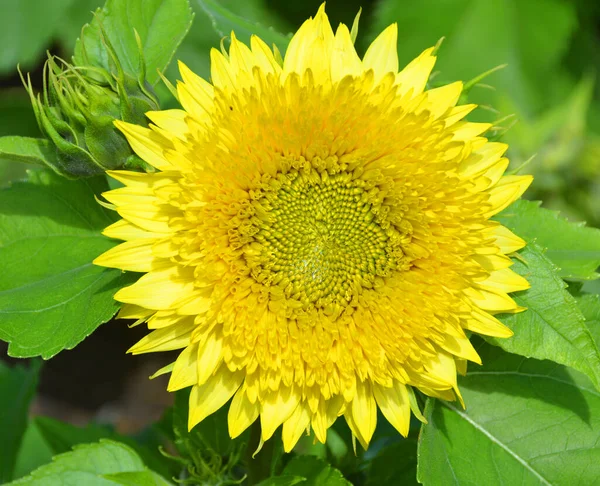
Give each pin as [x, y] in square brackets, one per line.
[259, 467]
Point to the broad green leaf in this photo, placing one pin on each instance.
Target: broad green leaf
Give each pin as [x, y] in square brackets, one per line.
[138, 478]
[530, 35]
[283, 481]
[527, 422]
[91, 465]
[17, 386]
[395, 464]
[552, 327]
[161, 25]
[225, 21]
[51, 295]
[572, 247]
[589, 304]
[316, 471]
[62, 437]
[33, 453]
[26, 29]
[29, 150]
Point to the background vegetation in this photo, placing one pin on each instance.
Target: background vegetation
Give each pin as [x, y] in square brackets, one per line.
[545, 103]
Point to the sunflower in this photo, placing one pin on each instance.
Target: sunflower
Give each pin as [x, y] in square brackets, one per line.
[316, 238]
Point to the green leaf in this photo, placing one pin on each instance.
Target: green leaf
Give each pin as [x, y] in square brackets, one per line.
[572, 247]
[138, 478]
[51, 295]
[395, 464]
[17, 386]
[224, 22]
[62, 437]
[37, 151]
[589, 304]
[26, 28]
[527, 422]
[282, 481]
[91, 465]
[552, 327]
[33, 453]
[161, 25]
[316, 471]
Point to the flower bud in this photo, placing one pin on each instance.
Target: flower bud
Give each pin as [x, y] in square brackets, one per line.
[77, 108]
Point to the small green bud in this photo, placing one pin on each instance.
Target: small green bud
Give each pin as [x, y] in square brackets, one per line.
[77, 108]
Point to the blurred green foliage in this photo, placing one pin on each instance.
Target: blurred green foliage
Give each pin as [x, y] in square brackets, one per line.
[551, 48]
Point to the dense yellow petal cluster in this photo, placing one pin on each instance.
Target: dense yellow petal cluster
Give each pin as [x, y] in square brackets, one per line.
[316, 238]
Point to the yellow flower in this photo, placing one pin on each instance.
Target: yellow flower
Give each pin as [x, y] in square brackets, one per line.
[316, 238]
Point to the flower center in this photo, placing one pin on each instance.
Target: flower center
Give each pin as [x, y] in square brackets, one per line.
[321, 238]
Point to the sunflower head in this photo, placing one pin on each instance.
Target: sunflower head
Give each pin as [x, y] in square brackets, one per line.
[317, 236]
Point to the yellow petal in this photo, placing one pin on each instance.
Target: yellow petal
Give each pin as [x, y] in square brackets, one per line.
[483, 323]
[172, 121]
[461, 347]
[146, 143]
[164, 319]
[492, 262]
[220, 71]
[142, 179]
[197, 304]
[461, 366]
[241, 59]
[363, 412]
[491, 301]
[394, 404]
[414, 76]
[210, 356]
[504, 280]
[457, 113]
[129, 311]
[124, 230]
[326, 414]
[208, 398]
[276, 408]
[133, 256]
[242, 413]
[160, 289]
[264, 56]
[506, 240]
[166, 339]
[163, 371]
[467, 131]
[382, 54]
[195, 94]
[311, 48]
[443, 367]
[153, 219]
[482, 159]
[131, 195]
[184, 372]
[508, 190]
[344, 59]
[440, 100]
[294, 426]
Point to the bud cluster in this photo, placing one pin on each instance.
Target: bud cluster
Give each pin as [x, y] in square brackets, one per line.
[77, 108]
